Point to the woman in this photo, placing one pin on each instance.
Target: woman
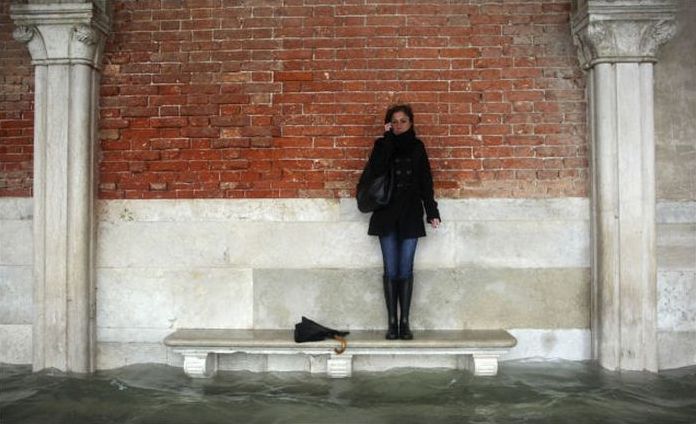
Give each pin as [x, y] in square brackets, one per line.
[400, 223]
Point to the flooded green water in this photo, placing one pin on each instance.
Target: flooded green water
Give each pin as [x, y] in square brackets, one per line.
[523, 392]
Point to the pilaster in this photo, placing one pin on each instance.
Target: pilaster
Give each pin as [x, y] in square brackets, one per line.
[66, 42]
[617, 44]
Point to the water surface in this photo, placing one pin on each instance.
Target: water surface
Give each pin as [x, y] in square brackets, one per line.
[523, 392]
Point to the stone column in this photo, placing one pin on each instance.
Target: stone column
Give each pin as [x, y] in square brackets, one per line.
[65, 41]
[617, 42]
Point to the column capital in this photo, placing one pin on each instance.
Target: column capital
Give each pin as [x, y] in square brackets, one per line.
[62, 33]
[614, 31]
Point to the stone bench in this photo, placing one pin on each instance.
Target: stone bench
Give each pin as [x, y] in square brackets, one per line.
[479, 349]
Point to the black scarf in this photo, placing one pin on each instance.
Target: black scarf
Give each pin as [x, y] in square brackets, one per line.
[403, 142]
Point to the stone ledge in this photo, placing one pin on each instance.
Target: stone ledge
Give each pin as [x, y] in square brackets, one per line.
[201, 347]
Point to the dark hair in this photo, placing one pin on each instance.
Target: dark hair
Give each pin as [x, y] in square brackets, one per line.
[405, 108]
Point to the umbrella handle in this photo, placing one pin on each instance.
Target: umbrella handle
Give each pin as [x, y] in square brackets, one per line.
[344, 345]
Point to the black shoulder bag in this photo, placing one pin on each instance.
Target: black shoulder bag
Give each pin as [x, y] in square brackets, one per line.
[375, 192]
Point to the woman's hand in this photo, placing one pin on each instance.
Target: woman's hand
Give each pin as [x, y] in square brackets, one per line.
[387, 127]
[435, 223]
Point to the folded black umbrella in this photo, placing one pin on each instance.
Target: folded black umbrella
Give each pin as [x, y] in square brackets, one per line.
[310, 331]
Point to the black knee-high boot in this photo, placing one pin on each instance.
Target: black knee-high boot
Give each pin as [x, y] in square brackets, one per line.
[390, 295]
[405, 291]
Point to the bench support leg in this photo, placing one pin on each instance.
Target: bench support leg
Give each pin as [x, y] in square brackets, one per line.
[339, 366]
[200, 365]
[485, 365]
[481, 364]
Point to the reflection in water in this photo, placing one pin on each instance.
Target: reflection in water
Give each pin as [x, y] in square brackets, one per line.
[557, 392]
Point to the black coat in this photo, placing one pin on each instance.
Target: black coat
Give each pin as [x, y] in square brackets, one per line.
[414, 186]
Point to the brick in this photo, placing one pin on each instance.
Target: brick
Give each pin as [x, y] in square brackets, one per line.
[428, 86]
[168, 122]
[206, 110]
[525, 95]
[522, 72]
[495, 62]
[486, 129]
[200, 132]
[167, 165]
[139, 111]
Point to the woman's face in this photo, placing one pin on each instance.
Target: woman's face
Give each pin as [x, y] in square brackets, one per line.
[400, 123]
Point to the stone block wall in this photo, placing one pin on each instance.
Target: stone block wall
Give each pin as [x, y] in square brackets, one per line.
[675, 152]
[676, 283]
[16, 282]
[168, 264]
[164, 265]
[232, 263]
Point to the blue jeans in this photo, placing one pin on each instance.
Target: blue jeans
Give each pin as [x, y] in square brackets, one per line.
[398, 255]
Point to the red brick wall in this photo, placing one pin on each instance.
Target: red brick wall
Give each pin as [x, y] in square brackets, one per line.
[207, 98]
[16, 111]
